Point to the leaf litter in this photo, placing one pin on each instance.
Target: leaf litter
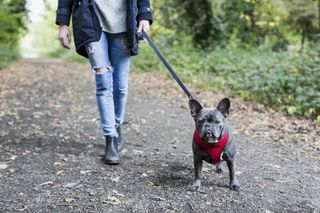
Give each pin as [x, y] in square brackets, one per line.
[51, 145]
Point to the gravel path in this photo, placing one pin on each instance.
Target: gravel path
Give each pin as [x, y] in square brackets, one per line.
[51, 145]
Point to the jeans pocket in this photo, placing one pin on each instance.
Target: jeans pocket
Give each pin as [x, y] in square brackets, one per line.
[121, 43]
[125, 43]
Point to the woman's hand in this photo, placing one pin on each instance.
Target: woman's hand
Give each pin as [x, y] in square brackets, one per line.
[64, 36]
[145, 25]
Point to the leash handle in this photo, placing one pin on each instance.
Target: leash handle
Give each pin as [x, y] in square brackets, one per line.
[142, 35]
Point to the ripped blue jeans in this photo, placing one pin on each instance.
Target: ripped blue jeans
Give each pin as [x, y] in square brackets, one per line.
[112, 53]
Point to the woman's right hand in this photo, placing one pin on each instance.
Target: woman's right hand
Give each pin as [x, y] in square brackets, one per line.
[64, 35]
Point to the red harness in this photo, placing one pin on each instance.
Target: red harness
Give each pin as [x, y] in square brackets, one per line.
[214, 150]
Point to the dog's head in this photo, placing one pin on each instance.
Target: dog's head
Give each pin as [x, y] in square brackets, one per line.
[210, 122]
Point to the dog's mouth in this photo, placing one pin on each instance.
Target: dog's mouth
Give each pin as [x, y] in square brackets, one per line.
[211, 139]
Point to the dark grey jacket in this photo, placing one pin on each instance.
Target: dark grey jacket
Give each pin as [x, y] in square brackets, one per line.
[86, 26]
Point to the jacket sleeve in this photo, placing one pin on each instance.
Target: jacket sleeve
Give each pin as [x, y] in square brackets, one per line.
[64, 11]
[144, 10]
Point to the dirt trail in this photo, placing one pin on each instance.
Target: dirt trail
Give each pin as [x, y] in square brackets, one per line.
[51, 144]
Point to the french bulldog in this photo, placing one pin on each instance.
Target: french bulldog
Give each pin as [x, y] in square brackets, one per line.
[212, 140]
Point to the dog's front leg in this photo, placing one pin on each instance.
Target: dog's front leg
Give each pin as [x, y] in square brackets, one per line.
[234, 184]
[197, 173]
[219, 168]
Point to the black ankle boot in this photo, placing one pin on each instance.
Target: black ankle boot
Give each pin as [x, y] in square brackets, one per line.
[119, 140]
[111, 156]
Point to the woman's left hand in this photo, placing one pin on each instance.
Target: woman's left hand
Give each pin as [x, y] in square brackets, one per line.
[145, 25]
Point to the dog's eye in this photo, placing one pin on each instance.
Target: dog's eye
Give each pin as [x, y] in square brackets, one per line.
[200, 122]
[216, 122]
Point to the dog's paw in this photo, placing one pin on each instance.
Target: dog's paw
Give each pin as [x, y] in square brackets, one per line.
[196, 185]
[235, 187]
[219, 170]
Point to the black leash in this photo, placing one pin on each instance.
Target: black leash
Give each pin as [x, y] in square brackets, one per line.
[142, 35]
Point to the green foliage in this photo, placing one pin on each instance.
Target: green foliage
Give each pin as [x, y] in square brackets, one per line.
[13, 23]
[250, 48]
[43, 39]
[252, 51]
[240, 16]
[284, 80]
[244, 23]
[7, 54]
[303, 18]
[203, 25]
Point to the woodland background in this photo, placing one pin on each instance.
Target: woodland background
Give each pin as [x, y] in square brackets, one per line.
[264, 51]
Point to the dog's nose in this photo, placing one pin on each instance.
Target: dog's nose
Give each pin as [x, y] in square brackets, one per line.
[207, 125]
[209, 134]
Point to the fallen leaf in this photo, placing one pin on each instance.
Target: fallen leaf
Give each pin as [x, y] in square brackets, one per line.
[3, 165]
[143, 174]
[117, 193]
[137, 152]
[46, 183]
[69, 200]
[22, 209]
[156, 198]
[115, 179]
[146, 173]
[13, 157]
[11, 171]
[59, 172]
[84, 172]
[143, 121]
[59, 164]
[65, 159]
[274, 166]
[26, 152]
[238, 173]
[206, 169]
[70, 185]
[112, 200]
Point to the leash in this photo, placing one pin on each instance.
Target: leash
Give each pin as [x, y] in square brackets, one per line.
[142, 35]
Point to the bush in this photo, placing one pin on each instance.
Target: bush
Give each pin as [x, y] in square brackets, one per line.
[285, 80]
[12, 22]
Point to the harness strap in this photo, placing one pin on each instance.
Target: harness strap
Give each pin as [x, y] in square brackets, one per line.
[214, 150]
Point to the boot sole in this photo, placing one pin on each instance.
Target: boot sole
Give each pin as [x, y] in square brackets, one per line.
[109, 162]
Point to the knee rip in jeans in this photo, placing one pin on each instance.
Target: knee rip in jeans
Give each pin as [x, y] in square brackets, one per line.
[121, 91]
[101, 70]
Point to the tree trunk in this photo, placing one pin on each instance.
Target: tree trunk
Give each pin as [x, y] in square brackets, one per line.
[199, 15]
[318, 17]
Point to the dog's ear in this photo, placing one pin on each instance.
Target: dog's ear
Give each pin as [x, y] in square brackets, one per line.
[224, 106]
[195, 107]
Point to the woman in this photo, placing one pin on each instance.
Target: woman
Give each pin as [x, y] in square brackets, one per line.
[105, 32]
